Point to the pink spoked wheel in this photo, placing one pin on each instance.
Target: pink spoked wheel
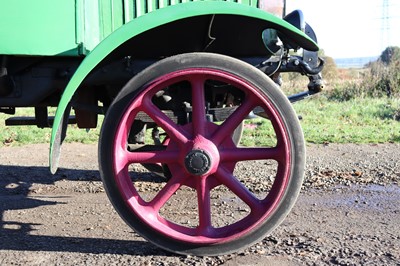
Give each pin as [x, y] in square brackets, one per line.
[221, 196]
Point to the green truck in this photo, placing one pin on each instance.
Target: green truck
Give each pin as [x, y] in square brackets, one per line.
[175, 80]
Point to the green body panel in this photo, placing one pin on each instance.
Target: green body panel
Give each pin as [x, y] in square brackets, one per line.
[69, 27]
[39, 27]
[115, 13]
[147, 22]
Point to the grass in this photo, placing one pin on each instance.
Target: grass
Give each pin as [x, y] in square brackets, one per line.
[323, 121]
[21, 135]
[354, 121]
[258, 132]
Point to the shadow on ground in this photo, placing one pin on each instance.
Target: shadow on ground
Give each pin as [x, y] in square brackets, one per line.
[15, 184]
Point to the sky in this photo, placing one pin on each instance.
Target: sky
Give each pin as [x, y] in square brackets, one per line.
[351, 28]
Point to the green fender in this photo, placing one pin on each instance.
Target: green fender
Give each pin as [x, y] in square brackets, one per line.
[148, 22]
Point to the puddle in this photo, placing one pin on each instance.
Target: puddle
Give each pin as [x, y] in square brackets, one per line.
[358, 197]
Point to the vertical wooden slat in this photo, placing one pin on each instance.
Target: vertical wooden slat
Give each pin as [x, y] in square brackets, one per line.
[137, 8]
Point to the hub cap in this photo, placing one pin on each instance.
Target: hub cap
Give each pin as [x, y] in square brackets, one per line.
[198, 162]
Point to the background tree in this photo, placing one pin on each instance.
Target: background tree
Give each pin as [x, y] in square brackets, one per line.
[330, 70]
[384, 74]
[390, 55]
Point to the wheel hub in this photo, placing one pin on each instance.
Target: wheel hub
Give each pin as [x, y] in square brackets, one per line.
[198, 162]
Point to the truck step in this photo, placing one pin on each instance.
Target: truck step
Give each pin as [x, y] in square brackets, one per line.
[32, 121]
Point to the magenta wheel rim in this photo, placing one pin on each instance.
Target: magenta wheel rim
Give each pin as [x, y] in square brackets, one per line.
[200, 156]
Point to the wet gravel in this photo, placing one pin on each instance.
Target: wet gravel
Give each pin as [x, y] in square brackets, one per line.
[348, 213]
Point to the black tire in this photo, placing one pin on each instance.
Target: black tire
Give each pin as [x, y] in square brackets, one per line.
[273, 101]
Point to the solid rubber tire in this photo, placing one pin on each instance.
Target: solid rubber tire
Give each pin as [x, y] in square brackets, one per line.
[265, 86]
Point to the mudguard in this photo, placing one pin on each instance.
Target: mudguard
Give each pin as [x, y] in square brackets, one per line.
[148, 22]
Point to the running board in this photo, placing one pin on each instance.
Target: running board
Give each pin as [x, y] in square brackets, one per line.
[32, 121]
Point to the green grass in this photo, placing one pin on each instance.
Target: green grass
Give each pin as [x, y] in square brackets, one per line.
[354, 121]
[258, 132]
[323, 121]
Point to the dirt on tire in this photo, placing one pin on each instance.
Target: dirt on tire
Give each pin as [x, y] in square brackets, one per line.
[348, 213]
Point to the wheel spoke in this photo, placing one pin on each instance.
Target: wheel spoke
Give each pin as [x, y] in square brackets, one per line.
[152, 157]
[233, 121]
[173, 130]
[247, 154]
[166, 193]
[204, 206]
[238, 188]
[198, 105]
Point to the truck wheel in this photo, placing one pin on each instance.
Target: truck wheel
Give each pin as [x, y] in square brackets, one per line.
[187, 214]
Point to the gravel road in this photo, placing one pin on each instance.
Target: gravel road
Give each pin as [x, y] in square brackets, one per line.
[348, 213]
